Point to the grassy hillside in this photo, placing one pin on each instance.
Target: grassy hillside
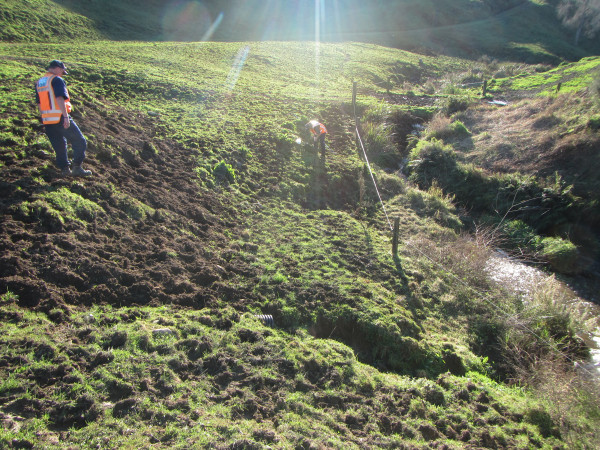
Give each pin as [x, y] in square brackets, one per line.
[129, 301]
[513, 30]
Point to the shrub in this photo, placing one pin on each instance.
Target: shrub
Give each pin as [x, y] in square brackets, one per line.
[455, 104]
[546, 329]
[543, 421]
[434, 202]
[544, 205]
[430, 160]
[595, 87]
[520, 236]
[442, 128]
[458, 128]
[224, 173]
[561, 254]
[390, 185]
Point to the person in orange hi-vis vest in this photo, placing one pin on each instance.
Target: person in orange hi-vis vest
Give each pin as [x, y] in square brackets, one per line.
[54, 102]
[318, 131]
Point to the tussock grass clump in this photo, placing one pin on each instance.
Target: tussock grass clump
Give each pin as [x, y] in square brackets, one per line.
[444, 128]
[378, 131]
[437, 204]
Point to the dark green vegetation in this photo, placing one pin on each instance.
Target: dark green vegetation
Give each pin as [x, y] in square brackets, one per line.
[128, 300]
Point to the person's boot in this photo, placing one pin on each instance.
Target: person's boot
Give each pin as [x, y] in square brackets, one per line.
[66, 172]
[79, 171]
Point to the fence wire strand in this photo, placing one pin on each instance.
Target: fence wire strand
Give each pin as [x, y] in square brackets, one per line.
[373, 178]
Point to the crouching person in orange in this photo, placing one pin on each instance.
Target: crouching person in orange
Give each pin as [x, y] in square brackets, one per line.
[54, 102]
[318, 131]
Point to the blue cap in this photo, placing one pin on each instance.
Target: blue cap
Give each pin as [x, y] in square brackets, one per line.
[57, 63]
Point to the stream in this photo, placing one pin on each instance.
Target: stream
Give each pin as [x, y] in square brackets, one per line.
[523, 280]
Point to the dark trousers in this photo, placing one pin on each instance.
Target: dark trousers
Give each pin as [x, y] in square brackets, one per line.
[320, 142]
[59, 136]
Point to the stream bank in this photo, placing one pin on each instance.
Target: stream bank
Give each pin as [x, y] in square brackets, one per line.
[524, 280]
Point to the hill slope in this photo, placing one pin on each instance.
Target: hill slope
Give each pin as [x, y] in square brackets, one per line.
[514, 30]
[129, 300]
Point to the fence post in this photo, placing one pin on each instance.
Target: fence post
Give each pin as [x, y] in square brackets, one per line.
[354, 85]
[395, 238]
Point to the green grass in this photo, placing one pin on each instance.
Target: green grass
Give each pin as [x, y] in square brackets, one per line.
[301, 414]
[573, 77]
[363, 340]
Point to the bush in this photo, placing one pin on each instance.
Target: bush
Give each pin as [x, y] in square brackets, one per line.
[543, 421]
[435, 203]
[459, 129]
[442, 128]
[455, 104]
[595, 87]
[520, 236]
[224, 173]
[431, 160]
[561, 254]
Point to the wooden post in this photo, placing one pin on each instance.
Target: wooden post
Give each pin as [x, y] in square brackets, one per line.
[395, 238]
[354, 85]
[484, 90]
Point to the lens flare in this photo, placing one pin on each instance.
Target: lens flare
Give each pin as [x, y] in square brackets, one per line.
[236, 68]
[319, 20]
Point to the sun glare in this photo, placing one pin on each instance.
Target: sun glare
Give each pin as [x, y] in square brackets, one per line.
[318, 20]
[236, 68]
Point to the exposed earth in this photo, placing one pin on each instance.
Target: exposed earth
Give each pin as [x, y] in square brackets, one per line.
[50, 264]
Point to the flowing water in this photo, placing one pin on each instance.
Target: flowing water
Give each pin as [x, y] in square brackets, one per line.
[524, 280]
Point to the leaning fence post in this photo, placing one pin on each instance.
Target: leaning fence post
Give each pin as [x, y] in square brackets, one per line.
[395, 238]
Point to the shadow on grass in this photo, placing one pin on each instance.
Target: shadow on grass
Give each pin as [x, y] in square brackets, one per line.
[400, 270]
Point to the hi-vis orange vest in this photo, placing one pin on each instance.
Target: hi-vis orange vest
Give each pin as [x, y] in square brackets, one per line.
[49, 109]
[313, 124]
